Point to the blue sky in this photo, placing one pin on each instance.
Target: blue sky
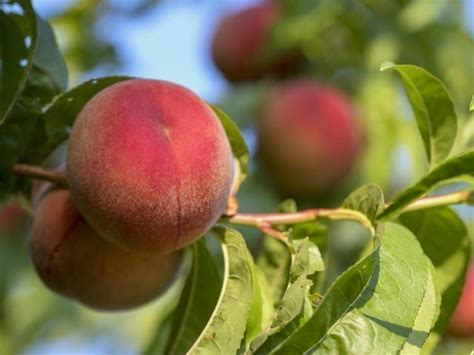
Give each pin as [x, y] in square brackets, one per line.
[171, 42]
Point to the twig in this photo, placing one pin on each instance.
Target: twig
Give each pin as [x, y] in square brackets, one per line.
[272, 219]
[37, 172]
[265, 221]
[267, 229]
[453, 198]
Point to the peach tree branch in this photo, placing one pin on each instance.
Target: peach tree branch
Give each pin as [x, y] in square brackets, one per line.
[266, 221]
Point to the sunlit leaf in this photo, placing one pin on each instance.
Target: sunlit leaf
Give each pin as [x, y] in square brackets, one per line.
[378, 299]
[444, 239]
[433, 109]
[460, 167]
[425, 318]
[261, 309]
[225, 329]
[367, 199]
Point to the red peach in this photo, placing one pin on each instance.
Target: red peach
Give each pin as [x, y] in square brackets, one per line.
[309, 137]
[149, 165]
[11, 216]
[74, 261]
[239, 40]
[462, 321]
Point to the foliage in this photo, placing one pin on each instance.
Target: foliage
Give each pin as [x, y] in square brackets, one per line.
[399, 294]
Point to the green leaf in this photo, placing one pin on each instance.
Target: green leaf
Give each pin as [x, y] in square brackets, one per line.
[433, 109]
[225, 329]
[158, 344]
[425, 318]
[261, 310]
[21, 139]
[378, 299]
[237, 143]
[48, 58]
[274, 260]
[471, 104]
[460, 167]
[61, 114]
[18, 33]
[23, 136]
[367, 199]
[295, 302]
[280, 336]
[444, 239]
[307, 259]
[199, 297]
[291, 306]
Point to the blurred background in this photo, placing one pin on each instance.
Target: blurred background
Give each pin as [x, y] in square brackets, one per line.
[339, 43]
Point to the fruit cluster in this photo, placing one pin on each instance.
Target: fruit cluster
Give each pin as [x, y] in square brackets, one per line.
[309, 134]
[150, 170]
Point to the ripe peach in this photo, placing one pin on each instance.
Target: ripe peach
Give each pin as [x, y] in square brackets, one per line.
[239, 40]
[73, 260]
[149, 165]
[11, 217]
[309, 137]
[462, 321]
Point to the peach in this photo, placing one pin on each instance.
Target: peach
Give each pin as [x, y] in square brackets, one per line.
[149, 165]
[462, 321]
[11, 217]
[239, 40]
[309, 137]
[73, 260]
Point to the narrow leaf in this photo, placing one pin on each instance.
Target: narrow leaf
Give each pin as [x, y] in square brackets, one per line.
[197, 302]
[274, 261]
[433, 109]
[225, 329]
[48, 57]
[158, 344]
[237, 143]
[292, 304]
[261, 310]
[460, 167]
[18, 34]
